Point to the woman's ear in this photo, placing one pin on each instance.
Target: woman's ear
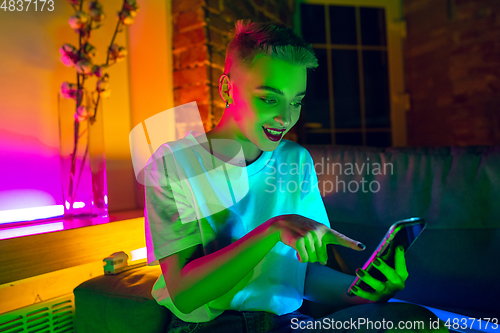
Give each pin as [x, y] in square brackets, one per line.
[226, 88]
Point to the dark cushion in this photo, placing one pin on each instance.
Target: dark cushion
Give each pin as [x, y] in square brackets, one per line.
[120, 303]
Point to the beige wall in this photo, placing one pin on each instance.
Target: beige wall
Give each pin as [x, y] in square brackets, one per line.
[150, 57]
[30, 77]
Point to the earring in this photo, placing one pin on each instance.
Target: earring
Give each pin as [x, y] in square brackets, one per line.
[227, 104]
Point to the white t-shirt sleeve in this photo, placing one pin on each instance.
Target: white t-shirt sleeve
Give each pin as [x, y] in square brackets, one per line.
[167, 208]
[312, 204]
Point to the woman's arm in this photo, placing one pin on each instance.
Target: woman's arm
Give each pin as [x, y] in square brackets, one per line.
[206, 278]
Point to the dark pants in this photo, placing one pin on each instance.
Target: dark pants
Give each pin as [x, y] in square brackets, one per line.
[387, 317]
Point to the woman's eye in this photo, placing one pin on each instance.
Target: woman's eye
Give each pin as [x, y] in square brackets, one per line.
[269, 101]
[273, 102]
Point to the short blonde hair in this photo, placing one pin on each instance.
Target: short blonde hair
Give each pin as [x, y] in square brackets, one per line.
[273, 39]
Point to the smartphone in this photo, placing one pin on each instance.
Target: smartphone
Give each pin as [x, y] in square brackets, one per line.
[403, 232]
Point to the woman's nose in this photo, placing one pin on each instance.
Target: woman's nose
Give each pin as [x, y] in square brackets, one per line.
[284, 119]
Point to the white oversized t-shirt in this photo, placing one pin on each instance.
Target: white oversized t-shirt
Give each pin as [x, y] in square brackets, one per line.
[195, 198]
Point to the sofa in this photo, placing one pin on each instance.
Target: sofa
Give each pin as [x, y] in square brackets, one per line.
[453, 265]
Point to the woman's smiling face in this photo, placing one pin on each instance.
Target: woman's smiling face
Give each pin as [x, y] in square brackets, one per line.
[266, 100]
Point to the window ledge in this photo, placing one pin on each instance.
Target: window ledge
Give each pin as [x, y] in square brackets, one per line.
[28, 228]
[74, 244]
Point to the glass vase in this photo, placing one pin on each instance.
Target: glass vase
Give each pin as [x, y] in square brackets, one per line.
[83, 162]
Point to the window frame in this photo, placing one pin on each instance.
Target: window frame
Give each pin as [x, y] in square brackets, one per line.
[396, 32]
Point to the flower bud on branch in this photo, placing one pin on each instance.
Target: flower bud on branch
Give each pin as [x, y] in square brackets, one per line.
[84, 66]
[68, 90]
[96, 12]
[128, 12]
[97, 70]
[89, 50]
[78, 21]
[81, 113]
[69, 54]
[103, 86]
[117, 53]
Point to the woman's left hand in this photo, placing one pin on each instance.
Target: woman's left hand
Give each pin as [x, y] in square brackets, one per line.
[396, 278]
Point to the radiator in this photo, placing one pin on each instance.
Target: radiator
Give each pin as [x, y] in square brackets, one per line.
[51, 316]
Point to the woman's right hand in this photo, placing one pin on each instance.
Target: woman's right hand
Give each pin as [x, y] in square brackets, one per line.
[308, 237]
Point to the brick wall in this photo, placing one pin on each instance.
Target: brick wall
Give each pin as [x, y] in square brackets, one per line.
[200, 37]
[452, 60]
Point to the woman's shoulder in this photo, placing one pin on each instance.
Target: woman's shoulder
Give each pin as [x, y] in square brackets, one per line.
[291, 149]
[170, 154]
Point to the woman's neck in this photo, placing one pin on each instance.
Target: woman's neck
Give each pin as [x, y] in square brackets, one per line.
[230, 147]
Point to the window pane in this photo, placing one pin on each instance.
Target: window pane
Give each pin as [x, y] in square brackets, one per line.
[316, 108]
[312, 19]
[318, 138]
[351, 139]
[376, 84]
[372, 26]
[346, 89]
[379, 139]
[342, 25]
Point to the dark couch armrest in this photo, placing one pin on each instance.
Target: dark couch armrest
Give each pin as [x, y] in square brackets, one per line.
[114, 303]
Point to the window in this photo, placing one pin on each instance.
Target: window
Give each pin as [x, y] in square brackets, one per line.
[356, 95]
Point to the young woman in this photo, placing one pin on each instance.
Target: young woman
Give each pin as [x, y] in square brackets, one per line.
[235, 219]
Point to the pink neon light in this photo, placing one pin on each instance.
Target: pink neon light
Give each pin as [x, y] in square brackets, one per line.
[31, 230]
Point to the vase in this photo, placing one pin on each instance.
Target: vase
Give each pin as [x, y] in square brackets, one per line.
[83, 162]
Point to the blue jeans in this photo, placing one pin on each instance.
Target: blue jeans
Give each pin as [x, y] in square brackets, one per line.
[386, 317]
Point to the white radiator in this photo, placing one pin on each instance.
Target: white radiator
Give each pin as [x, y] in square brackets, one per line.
[51, 316]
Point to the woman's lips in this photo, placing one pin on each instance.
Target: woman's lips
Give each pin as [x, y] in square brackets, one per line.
[273, 137]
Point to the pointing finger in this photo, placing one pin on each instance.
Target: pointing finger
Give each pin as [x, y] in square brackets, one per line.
[334, 237]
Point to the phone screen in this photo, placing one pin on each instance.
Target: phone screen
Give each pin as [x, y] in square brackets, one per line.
[400, 233]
